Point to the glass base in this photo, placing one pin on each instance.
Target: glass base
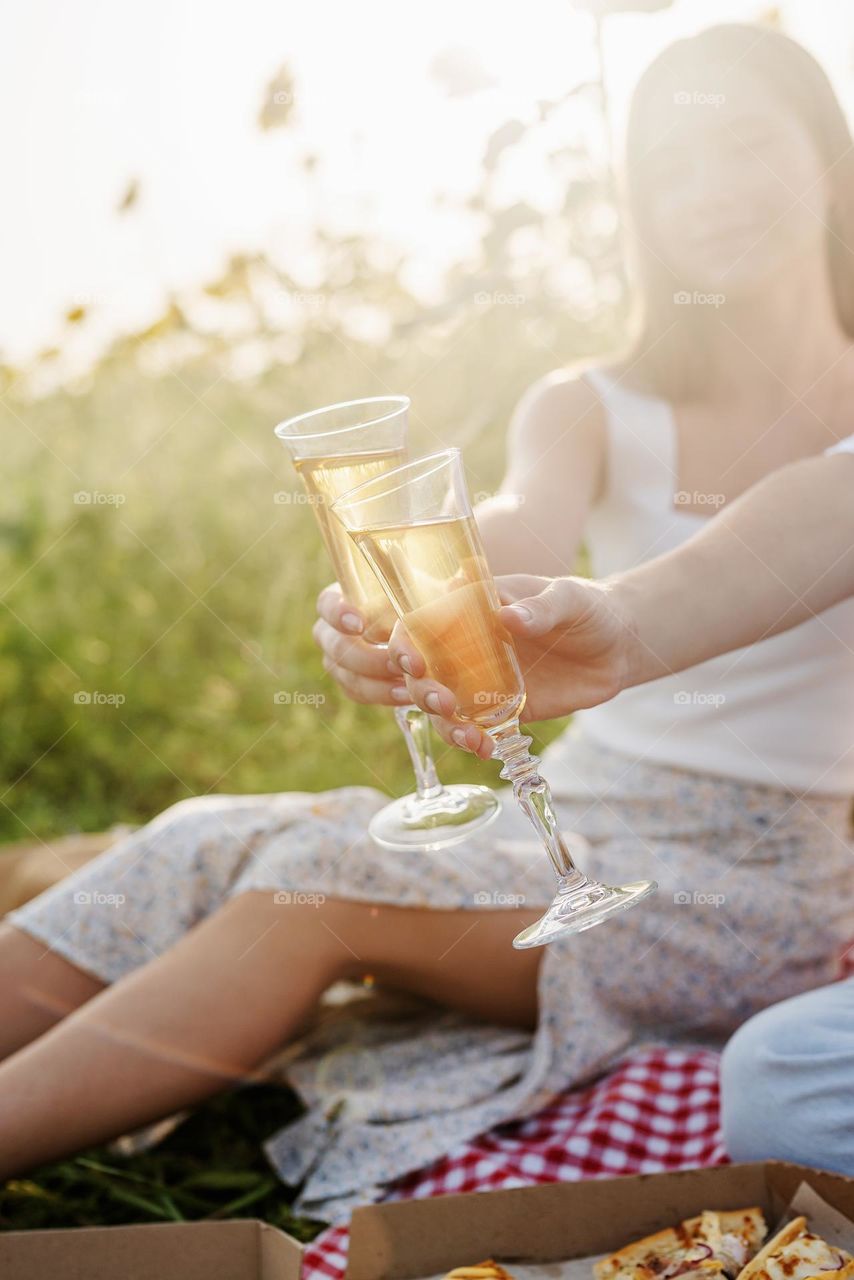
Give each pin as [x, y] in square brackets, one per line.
[580, 904]
[435, 822]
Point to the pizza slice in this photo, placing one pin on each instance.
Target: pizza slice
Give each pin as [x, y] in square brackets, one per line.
[716, 1243]
[487, 1270]
[733, 1235]
[796, 1254]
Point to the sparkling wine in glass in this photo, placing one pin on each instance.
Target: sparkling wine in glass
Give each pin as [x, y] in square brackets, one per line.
[333, 449]
[415, 525]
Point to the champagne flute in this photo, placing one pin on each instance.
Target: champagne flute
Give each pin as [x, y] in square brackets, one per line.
[415, 525]
[332, 449]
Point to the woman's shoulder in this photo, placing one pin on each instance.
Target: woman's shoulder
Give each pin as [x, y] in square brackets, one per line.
[563, 402]
[559, 424]
[569, 414]
[589, 384]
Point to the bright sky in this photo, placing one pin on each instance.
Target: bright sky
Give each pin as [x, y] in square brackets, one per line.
[94, 93]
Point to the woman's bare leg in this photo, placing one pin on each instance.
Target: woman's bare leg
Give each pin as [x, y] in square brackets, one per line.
[234, 989]
[462, 959]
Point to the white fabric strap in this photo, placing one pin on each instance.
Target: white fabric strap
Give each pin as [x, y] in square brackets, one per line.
[733, 715]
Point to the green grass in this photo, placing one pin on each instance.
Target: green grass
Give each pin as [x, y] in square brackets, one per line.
[193, 599]
[210, 1167]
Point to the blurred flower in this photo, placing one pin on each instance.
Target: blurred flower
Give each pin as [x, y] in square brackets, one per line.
[506, 135]
[233, 281]
[170, 321]
[601, 8]
[129, 198]
[460, 72]
[278, 101]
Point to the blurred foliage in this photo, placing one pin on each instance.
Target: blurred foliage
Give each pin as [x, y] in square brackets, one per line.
[144, 554]
[278, 101]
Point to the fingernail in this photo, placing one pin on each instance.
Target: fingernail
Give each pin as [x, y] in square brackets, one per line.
[351, 621]
[432, 701]
[523, 611]
[400, 693]
[393, 666]
[405, 664]
[459, 737]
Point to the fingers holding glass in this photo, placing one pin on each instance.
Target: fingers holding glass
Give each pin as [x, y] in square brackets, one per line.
[333, 449]
[415, 526]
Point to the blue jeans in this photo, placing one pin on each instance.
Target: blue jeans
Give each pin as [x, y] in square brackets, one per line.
[787, 1082]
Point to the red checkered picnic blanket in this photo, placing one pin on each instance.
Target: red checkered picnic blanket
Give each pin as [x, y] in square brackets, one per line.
[657, 1111]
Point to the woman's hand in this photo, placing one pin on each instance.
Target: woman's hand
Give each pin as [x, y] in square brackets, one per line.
[573, 643]
[361, 669]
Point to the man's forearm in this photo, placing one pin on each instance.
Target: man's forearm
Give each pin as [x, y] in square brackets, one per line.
[781, 553]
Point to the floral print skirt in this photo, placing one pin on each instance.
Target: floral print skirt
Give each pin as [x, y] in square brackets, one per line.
[754, 904]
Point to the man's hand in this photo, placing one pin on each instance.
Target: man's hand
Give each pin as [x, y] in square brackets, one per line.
[573, 642]
[361, 669]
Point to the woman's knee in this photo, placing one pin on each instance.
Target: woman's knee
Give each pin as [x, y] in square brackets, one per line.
[751, 1097]
[190, 808]
[200, 835]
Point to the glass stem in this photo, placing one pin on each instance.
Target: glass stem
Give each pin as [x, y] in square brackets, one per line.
[533, 795]
[415, 727]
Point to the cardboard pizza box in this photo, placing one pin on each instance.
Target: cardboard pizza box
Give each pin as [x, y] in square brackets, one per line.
[534, 1227]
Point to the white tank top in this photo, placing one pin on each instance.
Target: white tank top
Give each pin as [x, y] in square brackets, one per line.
[779, 712]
